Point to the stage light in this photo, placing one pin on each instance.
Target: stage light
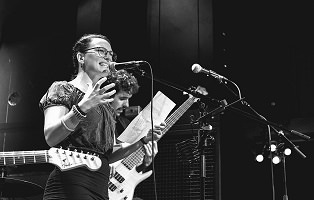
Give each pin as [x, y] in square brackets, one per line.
[276, 159]
[287, 152]
[259, 158]
[273, 147]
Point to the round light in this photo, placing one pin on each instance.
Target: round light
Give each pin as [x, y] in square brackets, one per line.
[276, 160]
[259, 158]
[287, 152]
[273, 148]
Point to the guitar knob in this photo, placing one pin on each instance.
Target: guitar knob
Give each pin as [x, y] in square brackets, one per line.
[92, 158]
[77, 155]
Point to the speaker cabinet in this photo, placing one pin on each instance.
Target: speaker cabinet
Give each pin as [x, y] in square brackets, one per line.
[177, 165]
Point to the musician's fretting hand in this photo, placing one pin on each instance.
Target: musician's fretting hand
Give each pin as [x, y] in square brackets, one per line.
[156, 134]
[149, 153]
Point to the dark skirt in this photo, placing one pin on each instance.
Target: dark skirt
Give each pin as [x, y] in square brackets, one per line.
[78, 184]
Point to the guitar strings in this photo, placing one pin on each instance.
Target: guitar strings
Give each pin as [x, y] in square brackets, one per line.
[137, 156]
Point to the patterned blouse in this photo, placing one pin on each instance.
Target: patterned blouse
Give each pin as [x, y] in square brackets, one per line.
[96, 132]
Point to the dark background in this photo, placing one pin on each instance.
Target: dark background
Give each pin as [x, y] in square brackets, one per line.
[264, 48]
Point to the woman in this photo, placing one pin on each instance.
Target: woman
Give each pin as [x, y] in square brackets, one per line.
[79, 115]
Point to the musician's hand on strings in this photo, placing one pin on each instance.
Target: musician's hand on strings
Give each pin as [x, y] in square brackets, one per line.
[151, 149]
[156, 134]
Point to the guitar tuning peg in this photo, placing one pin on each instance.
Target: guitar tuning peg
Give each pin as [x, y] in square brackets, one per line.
[88, 153]
[75, 150]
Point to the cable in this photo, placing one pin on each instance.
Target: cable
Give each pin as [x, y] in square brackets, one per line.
[152, 127]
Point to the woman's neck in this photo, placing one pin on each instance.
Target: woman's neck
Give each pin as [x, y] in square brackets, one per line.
[82, 81]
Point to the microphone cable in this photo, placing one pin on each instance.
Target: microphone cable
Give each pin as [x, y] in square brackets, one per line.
[152, 123]
[152, 127]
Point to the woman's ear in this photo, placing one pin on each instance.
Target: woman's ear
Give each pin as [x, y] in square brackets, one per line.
[80, 57]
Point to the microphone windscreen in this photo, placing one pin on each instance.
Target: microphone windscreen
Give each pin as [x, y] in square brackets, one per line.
[196, 68]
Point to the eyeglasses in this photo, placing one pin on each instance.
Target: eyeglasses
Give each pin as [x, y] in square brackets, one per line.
[103, 52]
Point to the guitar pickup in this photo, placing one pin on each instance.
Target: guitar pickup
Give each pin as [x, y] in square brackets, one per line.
[118, 177]
[112, 186]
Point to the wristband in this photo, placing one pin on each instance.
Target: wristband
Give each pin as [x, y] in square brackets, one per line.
[65, 126]
[80, 110]
[143, 141]
[80, 116]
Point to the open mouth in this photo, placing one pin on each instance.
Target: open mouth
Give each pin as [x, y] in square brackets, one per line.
[103, 64]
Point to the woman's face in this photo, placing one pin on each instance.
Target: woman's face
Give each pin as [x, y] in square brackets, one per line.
[97, 58]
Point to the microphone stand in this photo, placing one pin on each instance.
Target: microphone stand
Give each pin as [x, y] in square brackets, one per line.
[280, 133]
[269, 124]
[142, 73]
[285, 196]
[203, 134]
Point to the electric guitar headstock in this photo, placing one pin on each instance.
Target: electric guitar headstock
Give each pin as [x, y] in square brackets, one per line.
[66, 159]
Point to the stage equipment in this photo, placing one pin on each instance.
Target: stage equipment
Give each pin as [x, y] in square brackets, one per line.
[278, 129]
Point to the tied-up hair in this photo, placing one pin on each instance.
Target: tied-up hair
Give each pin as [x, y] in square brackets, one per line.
[124, 81]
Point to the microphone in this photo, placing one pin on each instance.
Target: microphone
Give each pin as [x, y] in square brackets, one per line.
[114, 66]
[196, 68]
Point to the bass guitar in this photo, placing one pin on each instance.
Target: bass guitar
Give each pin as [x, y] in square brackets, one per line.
[123, 182]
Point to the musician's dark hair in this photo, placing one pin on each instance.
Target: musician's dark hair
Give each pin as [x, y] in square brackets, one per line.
[124, 81]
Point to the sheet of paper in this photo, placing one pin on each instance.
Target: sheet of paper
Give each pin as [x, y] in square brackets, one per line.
[141, 124]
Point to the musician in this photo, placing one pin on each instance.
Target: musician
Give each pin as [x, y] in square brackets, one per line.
[120, 103]
[80, 114]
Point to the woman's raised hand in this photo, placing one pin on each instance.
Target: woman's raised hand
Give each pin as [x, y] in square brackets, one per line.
[97, 95]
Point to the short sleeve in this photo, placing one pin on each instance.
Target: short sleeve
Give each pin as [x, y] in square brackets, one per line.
[59, 93]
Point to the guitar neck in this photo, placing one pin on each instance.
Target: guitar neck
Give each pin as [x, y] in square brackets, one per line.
[136, 157]
[23, 157]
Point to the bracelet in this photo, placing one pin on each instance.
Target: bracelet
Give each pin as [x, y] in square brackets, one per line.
[143, 141]
[80, 115]
[80, 110]
[65, 126]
